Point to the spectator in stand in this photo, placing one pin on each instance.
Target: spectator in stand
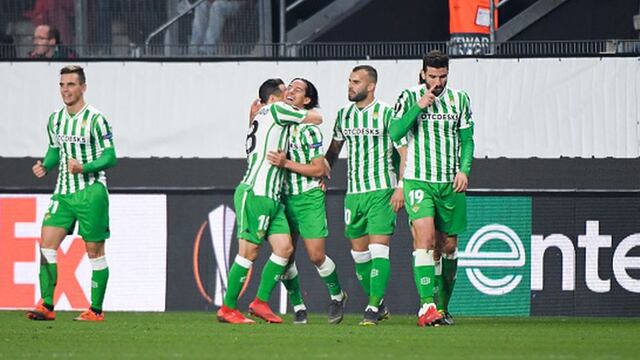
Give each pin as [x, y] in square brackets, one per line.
[56, 13]
[208, 21]
[47, 44]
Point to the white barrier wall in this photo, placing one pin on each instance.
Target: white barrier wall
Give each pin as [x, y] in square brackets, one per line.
[578, 107]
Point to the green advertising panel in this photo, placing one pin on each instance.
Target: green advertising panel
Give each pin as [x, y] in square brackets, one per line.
[494, 261]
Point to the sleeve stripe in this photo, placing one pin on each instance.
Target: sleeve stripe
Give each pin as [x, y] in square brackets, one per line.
[286, 112]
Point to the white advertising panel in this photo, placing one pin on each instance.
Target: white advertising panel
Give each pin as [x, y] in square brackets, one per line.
[136, 255]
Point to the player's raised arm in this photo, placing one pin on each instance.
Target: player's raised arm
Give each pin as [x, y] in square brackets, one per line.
[256, 105]
[407, 110]
[287, 114]
[313, 117]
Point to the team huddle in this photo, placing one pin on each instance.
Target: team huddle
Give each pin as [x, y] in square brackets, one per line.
[282, 195]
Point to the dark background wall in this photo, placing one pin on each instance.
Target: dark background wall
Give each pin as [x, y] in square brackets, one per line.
[428, 20]
[188, 175]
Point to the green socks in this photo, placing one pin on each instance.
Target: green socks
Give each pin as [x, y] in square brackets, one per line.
[291, 282]
[380, 270]
[48, 275]
[271, 274]
[329, 275]
[362, 260]
[438, 288]
[99, 278]
[235, 280]
[424, 275]
[449, 271]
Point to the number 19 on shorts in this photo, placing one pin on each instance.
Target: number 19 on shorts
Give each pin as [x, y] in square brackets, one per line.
[416, 197]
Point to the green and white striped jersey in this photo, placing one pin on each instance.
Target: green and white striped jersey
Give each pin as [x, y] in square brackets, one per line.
[268, 132]
[369, 146]
[433, 153]
[83, 137]
[305, 144]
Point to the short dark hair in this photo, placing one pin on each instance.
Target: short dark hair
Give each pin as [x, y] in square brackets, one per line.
[74, 69]
[435, 59]
[371, 71]
[54, 34]
[311, 92]
[268, 88]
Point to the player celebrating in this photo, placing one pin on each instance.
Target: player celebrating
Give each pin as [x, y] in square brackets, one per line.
[437, 123]
[372, 198]
[257, 203]
[81, 145]
[305, 202]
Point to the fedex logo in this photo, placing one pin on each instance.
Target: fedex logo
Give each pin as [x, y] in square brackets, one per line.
[20, 221]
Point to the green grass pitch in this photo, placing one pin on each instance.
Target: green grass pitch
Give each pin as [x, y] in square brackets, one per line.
[190, 335]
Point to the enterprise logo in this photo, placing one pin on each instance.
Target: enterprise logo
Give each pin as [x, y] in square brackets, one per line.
[473, 258]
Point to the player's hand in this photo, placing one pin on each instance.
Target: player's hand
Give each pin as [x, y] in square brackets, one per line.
[428, 98]
[38, 170]
[437, 253]
[277, 158]
[397, 199]
[323, 185]
[256, 105]
[327, 169]
[75, 167]
[460, 182]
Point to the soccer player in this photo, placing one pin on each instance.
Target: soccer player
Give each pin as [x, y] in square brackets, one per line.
[257, 201]
[304, 202]
[81, 145]
[373, 196]
[437, 123]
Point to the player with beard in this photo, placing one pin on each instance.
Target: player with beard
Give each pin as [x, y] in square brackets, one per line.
[374, 194]
[436, 121]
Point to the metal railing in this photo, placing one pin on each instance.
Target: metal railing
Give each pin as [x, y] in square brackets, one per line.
[103, 29]
[392, 50]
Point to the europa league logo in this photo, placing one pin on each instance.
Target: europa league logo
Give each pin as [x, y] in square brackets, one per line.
[221, 222]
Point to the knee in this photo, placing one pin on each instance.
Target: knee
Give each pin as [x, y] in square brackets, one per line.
[317, 257]
[426, 239]
[248, 253]
[94, 250]
[93, 253]
[286, 251]
[450, 246]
